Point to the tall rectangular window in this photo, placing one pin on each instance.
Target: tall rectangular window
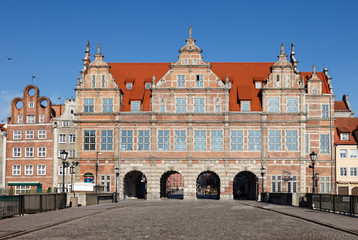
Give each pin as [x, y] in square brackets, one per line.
[62, 138]
[163, 140]
[254, 140]
[307, 143]
[343, 153]
[275, 140]
[353, 171]
[292, 105]
[20, 119]
[181, 105]
[181, 80]
[30, 119]
[273, 105]
[292, 185]
[93, 81]
[106, 182]
[29, 170]
[143, 140]
[72, 138]
[41, 169]
[107, 105]
[199, 105]
[343, 171]
[306, 109]
[287, 80]
[71, 153]
[325, 185]
[107, 140]
[29, 134]
[16, 170]
[162, 108]
[135, 106]
[29, 152]
[276, 183]
[41, 118]
[16, 152]
[89, 142]
[127, 140]
[65, 123]
[245, 106]
[291, 140]
[41, 151]
[179, 140]
[88, 105]
[237, 140]
[217, 108]
[200, 140]
[353, 153]
[324, 143]
[199, 82]
[216, 140]
[41, 134]
[16, 135]
[103, 81]
[325, 111]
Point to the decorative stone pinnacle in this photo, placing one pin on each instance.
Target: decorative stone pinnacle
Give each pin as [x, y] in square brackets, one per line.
[292, 49]
[190, 32]
[282, 49]
[99, 48]
[88, 46]
[314, 69]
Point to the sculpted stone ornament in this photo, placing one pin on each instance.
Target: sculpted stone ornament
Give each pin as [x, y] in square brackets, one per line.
[190, 31]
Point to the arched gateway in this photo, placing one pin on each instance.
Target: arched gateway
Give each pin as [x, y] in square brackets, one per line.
[172, 185]
[135, 185]
[245, 186]
[208, 185]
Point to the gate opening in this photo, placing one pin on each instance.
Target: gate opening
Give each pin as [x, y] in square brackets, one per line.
[135, 185]
[172, 185]
[245, 186]
[208, 185]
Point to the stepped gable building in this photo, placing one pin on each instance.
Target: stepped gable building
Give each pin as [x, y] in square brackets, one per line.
[214, 125]
[346, 147]
[29, 146]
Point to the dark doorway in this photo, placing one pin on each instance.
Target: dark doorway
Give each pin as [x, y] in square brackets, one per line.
[245, 186]
[172, 185]
[208, 185]
[135, 185]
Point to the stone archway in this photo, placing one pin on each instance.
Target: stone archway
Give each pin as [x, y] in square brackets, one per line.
[208, 185]
[135, 185]
[172, 185]
[245, 186]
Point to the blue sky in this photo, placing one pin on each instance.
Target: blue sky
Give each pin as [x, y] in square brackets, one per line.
[47, 38]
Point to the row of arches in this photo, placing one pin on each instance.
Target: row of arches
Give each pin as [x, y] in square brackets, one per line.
[207, 185]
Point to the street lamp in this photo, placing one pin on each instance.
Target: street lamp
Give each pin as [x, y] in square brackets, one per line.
[116, 170]
[313, 157]
[65, 164]
[73, 166]
[263, 170]
[98, 153]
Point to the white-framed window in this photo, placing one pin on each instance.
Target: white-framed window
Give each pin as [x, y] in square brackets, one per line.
[245, 106]
[217, 108]
[163, 140]
[143, 140]
[292, 185]
[324, 143]
[274, 140]
[135, 106]
[107, 105]
[89, 138]
[181, 80]
[88, 105]
[29, 152]
[195, 61]
[216, 140]
[306, 110]
[65, 123]
[41, 118]
[258, 85]
[62, 138]
[277, 80]
[41, 169]
[230, 85]
[29, 169]
[72, 138]
[314, 91]
[16, 135]
[129, 85]
[273, 105]
[291, 140]
[20, 119]
[237, 140]
[344, 136]
[254, 140]
[185, 61]
[71, 153]
[16, 152]
[29, 134]
[292, 105]
[106, 182]
[199, 82]
[325, 111]
[93, 81]
[287, 80]
[353, 153]
[276, 182]
[16, 170]
[61, 172]
[103, 81]
[41, 151]
[343, 153]
[20, 189]
[31, 105]
[199, 140]
[162, 108]
[353, 172]
[307, 143]
[343, 171]
[107, 140]
[127, 140]
[148, 85]
[199, 105]
[30, 119]
[179, 140]
[41, 134]
[325, 184]
[181, 105]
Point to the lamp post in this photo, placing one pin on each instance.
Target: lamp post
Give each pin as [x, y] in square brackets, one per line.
[116, 170]
[65, 164]
[73, 166]
[98, 153]
[313, 157]
[262, 175]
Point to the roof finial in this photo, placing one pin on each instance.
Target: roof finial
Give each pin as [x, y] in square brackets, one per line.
[292, 49]
[99, 48]
[282, 49]
[190, 31]
[314, 69]
[87, 47]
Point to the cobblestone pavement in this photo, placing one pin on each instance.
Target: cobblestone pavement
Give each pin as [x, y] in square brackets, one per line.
[177, 219]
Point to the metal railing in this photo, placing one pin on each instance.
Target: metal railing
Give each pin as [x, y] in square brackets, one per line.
[345, 204]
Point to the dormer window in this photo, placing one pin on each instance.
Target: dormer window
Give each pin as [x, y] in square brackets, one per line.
[103, 81]
[245, 106]
[314, 91]
[344, 136]
[129, 85]
[148, 85]
[31, 105]
[195, 61]
[258, 85]
[230, 85]
[135, 106]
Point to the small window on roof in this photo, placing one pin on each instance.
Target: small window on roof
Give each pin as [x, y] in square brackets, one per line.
[129, 85]
[148, 85]
[245, 106]
[344, 136]
[230, 84]
[135, 106]
[258, 85]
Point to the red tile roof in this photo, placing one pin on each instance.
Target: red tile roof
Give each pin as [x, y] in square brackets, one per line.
[346, 125]
[340, 106]
[321, 76]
